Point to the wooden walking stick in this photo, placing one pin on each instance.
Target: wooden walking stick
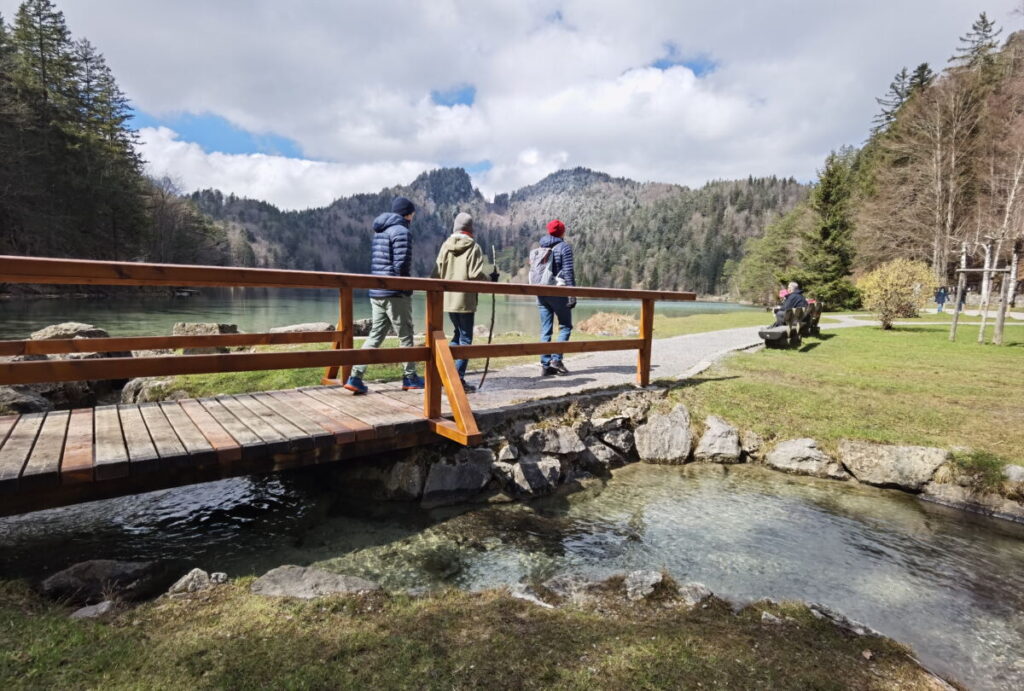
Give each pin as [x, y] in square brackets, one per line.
[490, 331]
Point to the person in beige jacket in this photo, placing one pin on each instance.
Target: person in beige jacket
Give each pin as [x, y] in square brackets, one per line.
[461, 259]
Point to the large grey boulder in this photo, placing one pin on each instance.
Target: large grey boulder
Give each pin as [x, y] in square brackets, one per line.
[99, 579]
[307, 582]
[1014, 473]
[459, 481]
[641, 584]
[20, 399]
[149, 389]
[665, 438]
[605, 456]
[192, 582]
[752, 444]
[622, 440]
[969, 499]
[203, 329]
[539, 475]
[906, 467]
[720, 442]
[561, 441]
[404, 481]
[803, 457]
[301, 328]
[68, 330]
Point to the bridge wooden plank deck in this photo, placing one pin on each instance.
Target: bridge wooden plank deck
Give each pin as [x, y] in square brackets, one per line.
[62, 457]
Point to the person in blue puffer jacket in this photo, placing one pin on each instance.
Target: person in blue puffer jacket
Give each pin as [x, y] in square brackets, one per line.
[557, 306]
[391, 255]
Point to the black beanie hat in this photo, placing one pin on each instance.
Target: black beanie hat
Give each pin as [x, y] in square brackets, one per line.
[402, 206]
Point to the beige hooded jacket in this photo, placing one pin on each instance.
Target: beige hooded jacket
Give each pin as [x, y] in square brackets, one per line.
[461, 259]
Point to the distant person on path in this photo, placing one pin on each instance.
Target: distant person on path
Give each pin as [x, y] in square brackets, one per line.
[794, 298]
[461, 259]
[940, 298]
[391, 255]
[551, 264]
[962, 300]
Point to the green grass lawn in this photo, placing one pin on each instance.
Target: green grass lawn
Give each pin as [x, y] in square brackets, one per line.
[228, 638]
[932, 316]
[909, 385]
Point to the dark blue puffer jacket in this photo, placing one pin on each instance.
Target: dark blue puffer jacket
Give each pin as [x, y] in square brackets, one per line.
[562, 252]
[391, 253]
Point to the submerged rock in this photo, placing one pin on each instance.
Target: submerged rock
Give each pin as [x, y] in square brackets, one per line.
[463, 480]
[906, 467]
[720, 443]
[307, 582]
[969, 499]
[100, 579]
[803, 457]
[68, 330]
[665, 438]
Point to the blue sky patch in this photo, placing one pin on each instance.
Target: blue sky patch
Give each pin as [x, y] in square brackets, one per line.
[463, 95]
[214, 133]
[478, 167]
[701, 64]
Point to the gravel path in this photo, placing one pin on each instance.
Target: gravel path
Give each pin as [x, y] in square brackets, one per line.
[678, 357]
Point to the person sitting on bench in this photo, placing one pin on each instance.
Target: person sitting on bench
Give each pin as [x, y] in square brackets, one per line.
[794, 299]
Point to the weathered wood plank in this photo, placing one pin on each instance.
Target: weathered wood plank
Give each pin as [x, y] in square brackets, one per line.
[228, 450]
[297, 437]
[168, 446]
[111, 453]
[364, 430]
[118, 345]
[142, 453]
[318, 412]
[17, 449]
[320, 436]
[357, 407]
[200, 451]
[275, 441]
[238, 429]
[7, 423]
[77, 465]
[374, 404]
[43, 466]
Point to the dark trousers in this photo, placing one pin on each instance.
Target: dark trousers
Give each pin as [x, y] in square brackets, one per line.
[551, 308]
[463, 335]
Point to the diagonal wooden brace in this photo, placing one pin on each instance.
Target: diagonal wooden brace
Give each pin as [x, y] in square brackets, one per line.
[464, 430]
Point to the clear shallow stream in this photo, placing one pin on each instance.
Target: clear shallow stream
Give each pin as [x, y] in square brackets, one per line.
[948, 584]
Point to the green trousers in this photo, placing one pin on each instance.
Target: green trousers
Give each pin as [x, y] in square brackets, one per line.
[387, 313]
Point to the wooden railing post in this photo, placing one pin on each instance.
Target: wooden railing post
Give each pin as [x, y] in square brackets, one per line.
[643, 360]
[431, 376]
[345, 342]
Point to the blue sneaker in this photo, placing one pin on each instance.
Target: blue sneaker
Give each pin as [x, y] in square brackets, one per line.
[356, 385]
[412, 382]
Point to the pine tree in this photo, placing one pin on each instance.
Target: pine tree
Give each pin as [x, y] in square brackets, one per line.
[979, 44]
[44, 69]
[826, 257]
[922, 78]
[896, 96]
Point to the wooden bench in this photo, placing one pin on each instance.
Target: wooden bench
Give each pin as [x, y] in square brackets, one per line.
[809, 325]
[788, 334]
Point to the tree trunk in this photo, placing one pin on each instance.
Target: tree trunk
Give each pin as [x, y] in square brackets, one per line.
[1004, 299]
[1014, 262]
[986, 291]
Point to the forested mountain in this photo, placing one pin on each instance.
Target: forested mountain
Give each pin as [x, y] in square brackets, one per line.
[71, 181]
[941, 174]
[625, 233]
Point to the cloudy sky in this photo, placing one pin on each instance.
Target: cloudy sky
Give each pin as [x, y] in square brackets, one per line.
[304, 101]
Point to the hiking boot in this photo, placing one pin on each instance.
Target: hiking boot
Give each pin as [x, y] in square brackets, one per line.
[356, 385]
[468, 388]
[412, 382]
[547, 371]
[558, 367]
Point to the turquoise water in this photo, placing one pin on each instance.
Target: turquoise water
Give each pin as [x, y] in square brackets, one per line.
[949, 584]
[256, 310]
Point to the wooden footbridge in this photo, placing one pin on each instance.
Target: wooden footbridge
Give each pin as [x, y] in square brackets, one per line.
[65, 457]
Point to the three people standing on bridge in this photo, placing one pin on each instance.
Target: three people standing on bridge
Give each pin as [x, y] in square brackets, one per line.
[459, 259]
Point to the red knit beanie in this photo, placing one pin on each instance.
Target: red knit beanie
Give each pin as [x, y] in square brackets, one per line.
[556, 228]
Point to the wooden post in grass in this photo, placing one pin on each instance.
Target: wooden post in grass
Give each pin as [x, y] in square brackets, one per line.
[643, 360]
[961, 286]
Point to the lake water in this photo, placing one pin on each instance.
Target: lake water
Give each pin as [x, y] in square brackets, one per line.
[257, 310]
[949, 584]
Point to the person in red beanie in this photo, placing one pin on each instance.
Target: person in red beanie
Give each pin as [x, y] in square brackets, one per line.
[552, 264]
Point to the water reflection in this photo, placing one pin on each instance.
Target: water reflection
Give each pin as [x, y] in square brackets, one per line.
[951, 585]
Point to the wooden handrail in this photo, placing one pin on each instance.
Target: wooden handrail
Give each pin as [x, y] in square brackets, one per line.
[87, 272]
[440, 373]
